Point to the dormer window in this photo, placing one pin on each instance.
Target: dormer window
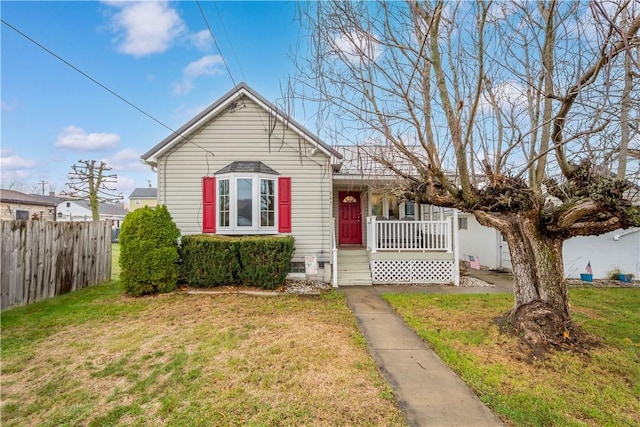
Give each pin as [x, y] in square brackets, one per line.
[246, 198]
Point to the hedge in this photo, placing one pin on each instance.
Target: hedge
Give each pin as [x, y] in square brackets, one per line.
[209, 261]
[262, 261]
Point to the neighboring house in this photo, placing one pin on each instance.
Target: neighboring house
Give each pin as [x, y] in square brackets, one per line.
[242, 166]
[15, 205]
[619, 249]
[485, 244]
[79, 210]
[142, 197]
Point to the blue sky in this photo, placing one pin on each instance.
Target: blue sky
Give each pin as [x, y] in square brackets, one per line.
[157, 55]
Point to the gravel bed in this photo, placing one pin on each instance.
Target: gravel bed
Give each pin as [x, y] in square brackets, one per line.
[304, 286]
[473, 282]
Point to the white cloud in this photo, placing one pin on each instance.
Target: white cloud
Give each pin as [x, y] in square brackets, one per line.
[127, 159]
[201, 40]
[357, 47]
[6, 107]
[145, 28]
[509, 95]
[13, 162]
[125, 186]
[75, 138]
[209, 65]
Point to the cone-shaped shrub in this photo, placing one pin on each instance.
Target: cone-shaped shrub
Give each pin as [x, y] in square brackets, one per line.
[149, 251]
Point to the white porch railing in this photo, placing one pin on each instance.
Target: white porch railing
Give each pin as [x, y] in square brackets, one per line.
[395, 235]
[334, 254]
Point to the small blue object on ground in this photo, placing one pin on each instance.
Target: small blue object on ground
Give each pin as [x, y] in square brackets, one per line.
[625, 278]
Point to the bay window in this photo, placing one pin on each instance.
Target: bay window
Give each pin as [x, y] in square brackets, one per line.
[246, 198]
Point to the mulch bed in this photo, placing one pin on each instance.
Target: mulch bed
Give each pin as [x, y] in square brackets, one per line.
[296, 287]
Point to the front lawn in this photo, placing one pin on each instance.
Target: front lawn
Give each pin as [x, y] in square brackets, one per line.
[524, 389]
[97, 357]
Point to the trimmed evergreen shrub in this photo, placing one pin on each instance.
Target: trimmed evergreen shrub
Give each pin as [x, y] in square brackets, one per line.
[148, 251]
[262, 261]
[210, 260]
[265, 260]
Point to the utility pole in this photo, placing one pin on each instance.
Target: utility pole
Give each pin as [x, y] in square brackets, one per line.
[43, 183]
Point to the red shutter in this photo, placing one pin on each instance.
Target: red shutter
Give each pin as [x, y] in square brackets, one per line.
[208, 204]
[284, 204]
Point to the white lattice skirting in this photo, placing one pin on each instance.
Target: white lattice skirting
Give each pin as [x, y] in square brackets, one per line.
[411, 271]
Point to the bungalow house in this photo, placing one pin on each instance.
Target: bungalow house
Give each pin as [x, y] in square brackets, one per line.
[15, 205]
[141, 197]
[242, 166]
[79, 210]
[616, 250]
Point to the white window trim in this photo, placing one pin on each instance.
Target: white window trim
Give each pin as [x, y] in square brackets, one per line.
[233, 228]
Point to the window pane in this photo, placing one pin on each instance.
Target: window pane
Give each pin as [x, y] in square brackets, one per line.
[22, 215]
[223, 202]
[393, 207]
[376, 204]
[267, 203]
[462, 223]
[410, 209]
[244, 202]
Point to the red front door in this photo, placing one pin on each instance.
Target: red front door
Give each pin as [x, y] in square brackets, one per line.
[349, 222]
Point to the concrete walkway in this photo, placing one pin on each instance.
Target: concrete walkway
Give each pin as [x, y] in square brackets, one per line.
[427, 391]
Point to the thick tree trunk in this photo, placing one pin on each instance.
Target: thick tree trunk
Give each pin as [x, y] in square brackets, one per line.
[541, 313]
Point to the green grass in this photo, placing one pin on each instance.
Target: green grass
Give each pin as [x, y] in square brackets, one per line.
[560, 389]
[97, 357]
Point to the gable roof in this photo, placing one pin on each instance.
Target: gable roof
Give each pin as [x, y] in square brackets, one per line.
[103, 208]
[12, 196]
[218, 107]
[253, 167]
[56, 200]
[144, 193]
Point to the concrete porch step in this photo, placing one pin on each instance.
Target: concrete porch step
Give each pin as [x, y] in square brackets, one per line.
[354, 282]
[355, 273]
[353, 267]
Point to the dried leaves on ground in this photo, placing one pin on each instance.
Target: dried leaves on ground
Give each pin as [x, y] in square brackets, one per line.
[196, 360]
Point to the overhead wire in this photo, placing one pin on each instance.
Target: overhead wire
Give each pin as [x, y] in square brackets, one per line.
[274, 111]
[215, 41]
[226, 33]
[103, 86]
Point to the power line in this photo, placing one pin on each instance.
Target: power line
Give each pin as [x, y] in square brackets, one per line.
[224, 61]
[131, 104]
[226, 33]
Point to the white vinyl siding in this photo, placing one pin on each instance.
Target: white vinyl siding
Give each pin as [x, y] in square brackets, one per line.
[243, 135]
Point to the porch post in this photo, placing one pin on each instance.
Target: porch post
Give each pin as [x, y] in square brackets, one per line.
[334, 254]
[373, 235]
[456, 250]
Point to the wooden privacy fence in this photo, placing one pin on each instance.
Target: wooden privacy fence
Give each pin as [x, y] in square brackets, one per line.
[42, 259]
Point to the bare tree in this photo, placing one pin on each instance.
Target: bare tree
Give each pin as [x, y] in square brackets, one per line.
[515, 110]
[90, 180]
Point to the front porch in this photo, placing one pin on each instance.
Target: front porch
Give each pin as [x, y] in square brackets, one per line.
[399, 252]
